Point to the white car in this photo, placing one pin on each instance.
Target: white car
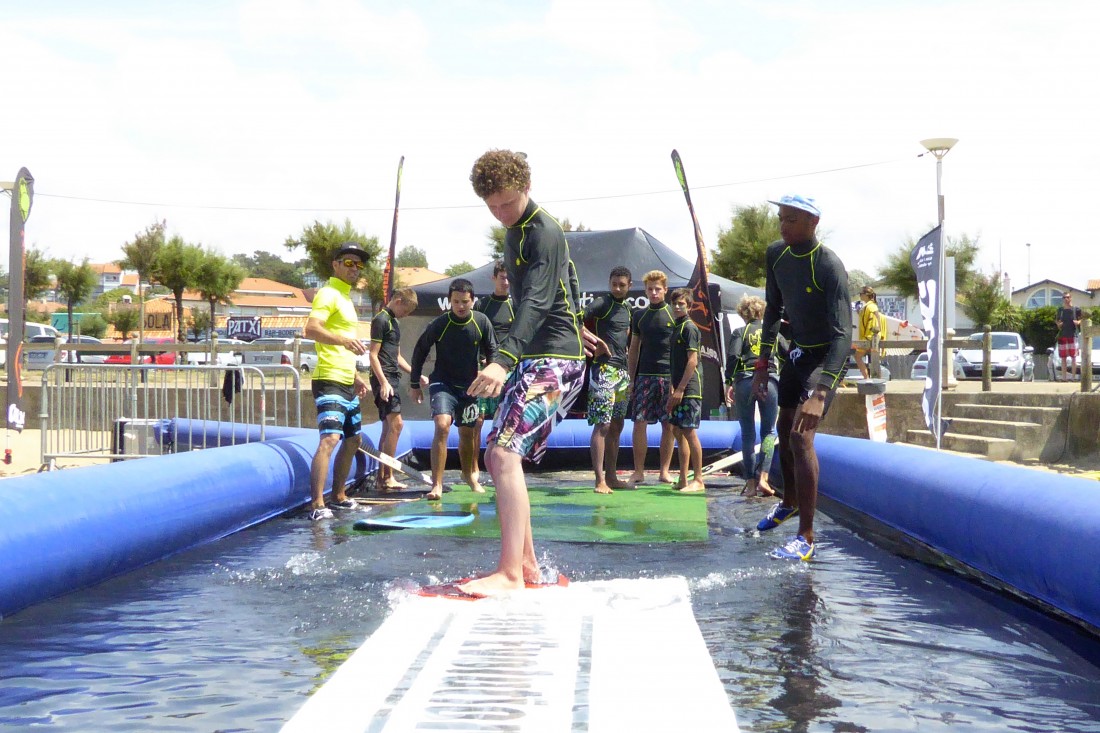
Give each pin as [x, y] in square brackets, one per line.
[1054, 364]
[224, 358]
[40, 350]
[920, 367]
[1010, 357]
[281, 351]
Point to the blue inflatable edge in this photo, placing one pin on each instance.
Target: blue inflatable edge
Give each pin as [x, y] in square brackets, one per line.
[1026, 530]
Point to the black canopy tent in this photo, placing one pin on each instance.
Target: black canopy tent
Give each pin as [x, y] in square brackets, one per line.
[595, 254]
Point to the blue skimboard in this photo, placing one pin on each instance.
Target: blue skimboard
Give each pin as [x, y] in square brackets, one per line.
[437, 520]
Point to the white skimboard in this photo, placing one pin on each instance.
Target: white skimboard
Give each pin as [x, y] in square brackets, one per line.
[609, 656]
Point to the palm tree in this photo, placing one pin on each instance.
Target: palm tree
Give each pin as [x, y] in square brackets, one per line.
[74, 285]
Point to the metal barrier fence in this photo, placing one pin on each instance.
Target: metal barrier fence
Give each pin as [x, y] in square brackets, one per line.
[118, 411]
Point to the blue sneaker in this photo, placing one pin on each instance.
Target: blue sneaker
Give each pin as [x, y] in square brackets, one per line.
[776, 517]
[796, 549]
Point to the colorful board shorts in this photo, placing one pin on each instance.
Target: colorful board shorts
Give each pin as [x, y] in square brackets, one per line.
[687, 414]
[608, 394]
[1067, 347]
[449, 400]
[337, 408]
[535, 399]
[647, 403]
[392, 406]
[800, 375]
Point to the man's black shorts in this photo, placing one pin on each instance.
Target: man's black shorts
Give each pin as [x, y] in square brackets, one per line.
[800, 374]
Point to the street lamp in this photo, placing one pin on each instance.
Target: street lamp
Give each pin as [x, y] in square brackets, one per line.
[939, 147]
[1028, 245]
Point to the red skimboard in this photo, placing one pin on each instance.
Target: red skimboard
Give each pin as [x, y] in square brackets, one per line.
[452, 591]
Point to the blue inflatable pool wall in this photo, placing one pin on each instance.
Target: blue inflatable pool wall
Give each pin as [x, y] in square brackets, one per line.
[1028, 530]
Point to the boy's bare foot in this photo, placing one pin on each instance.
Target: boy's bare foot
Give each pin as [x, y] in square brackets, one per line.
[602, 488]
[694, 487]
[666, 479]
[614, 483]
[435, 494]
[474, 484]
[764, 489]
[492, 585]
[750, 488]
[637, 477]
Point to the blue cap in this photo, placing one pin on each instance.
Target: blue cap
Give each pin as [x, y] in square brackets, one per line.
[805, 203]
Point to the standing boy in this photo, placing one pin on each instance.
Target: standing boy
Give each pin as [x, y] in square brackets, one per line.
[543, 351]
[650, 339]
[685, 401]
[462, 338]
[336, 385]
[806, 282]
[608, 379]
[386, 365]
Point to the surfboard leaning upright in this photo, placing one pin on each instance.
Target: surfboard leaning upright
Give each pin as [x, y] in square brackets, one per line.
[598, 656]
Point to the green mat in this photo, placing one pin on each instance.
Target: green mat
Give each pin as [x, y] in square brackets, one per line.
[647, 514]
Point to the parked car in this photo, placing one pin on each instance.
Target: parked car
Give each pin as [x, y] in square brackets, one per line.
[362, 361]
[1054, 362]
[852, 373]
[281, 351]
[920, 367]
[40, 351]
[1010, 356]
[225, 358]
[161, 357]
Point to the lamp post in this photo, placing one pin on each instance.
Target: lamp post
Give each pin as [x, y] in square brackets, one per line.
[1028, 245]
[939, 147]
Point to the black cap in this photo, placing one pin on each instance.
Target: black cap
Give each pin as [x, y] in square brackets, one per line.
[352, 248]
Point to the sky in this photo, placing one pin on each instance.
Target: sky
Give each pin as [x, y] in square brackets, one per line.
[241, 123]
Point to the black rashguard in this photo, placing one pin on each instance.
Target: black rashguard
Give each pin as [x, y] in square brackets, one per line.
[459, 349]
[543, 282]
[653, 325]
[385, 330]
[685, 339]
[612, 321]
[500, 311]
[809, 285]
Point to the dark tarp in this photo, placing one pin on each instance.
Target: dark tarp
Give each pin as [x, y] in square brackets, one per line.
[594, 254]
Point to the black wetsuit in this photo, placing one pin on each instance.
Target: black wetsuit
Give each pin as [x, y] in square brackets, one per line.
[544, 282]
[500, 312]
[612, 321]
[685, 339]
[653, 325]
[385, 330]
[459, 349]
[808, 283]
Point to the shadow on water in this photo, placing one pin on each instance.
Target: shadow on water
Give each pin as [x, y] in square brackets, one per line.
[235, 635]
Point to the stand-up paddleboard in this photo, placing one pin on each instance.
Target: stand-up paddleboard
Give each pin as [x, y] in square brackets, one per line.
[388, 460]
[436, 520]
[726, 461]
[609, 656]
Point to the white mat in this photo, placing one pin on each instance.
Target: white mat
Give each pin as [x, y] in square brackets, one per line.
[619, 655]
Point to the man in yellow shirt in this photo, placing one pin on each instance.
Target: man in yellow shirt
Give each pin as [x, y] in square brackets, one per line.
[337, 386]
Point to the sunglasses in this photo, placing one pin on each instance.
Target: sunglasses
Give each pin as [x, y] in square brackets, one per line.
[352, 262]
